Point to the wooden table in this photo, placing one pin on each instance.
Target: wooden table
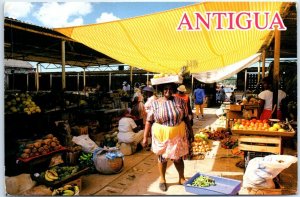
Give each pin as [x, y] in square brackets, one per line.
[261, 141]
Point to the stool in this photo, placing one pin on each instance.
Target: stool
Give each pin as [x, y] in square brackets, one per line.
[127, 148]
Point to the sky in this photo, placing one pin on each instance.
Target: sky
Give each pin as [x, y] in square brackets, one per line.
[65, 14]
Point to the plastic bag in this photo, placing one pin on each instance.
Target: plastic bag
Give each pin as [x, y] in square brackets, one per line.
[108, 160]
[18, 184]
[87, 144]
[261, 170]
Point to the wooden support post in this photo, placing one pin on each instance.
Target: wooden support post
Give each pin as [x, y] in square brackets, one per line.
[37, 82]
[27, 81]
[50, 81]
[258, 72]
[63, 62]
[78, 81]
[131, 70]
[84, 78]
[109, 81]
[276, 70]
[147, 83]
[263, 60]
[245, 86]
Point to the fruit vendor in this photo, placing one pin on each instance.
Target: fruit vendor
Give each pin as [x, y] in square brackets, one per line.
[168, 117]
[266, 97]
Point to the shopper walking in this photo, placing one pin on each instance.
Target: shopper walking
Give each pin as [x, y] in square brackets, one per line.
[181, 94]
[222, 94]
[168, 117]
[199, 97]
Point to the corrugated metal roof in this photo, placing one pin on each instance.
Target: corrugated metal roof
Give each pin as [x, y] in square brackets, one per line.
[17, 64]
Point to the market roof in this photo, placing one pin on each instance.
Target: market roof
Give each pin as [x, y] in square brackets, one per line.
[17, 64]
[28, 42]
[152, 43]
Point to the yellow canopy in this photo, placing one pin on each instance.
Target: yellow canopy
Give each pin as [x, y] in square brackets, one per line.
[151, 42]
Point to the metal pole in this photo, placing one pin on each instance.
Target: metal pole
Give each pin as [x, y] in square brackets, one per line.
[276, 71]
[37, 82]
[109, 81]
[63, 62]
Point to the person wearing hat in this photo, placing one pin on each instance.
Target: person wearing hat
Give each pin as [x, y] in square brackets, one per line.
[181, 94]
[167, 119]
[126, 87]
[149, 96]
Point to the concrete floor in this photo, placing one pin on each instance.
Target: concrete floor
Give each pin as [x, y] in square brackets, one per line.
[140, 173]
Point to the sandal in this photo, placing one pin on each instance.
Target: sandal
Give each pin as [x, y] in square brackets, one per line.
[163, 187]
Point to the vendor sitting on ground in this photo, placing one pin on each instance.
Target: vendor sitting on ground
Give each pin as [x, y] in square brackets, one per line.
[129, 132]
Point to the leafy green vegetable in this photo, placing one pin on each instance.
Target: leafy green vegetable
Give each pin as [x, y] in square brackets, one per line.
[203, 181]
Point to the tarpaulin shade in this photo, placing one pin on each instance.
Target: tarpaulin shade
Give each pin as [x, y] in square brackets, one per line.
[227, 71]
[152, 42]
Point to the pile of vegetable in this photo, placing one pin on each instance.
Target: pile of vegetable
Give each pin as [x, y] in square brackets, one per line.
[110, 139]
[229, 143]
[218, 134]
[203, 181]
[39, 147]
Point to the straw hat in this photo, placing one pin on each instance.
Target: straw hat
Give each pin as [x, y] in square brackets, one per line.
[181, 88]
[148, 88]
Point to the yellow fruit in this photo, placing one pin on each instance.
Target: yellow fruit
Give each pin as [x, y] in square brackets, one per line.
[277, 126]
[281, 130]
[272, 129]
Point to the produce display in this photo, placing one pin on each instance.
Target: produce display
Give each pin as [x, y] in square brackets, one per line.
[66, 190]
[259, 125]
[200, 144]
[203, 181]
[21, 103]
[111, 139]
[58, 173]
[219, 134]
[86, 160]
[229, 143]
[39, 147]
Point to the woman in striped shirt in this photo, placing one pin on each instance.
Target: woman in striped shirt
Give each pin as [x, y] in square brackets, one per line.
[168, 117]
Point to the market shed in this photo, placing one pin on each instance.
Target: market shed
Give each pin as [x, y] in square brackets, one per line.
[28, 42]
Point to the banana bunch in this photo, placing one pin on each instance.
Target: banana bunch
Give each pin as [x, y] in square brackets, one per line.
[51, 175]
[66, 190]
[86, 159]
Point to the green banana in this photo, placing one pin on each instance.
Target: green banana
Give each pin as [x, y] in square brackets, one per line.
[68, 193]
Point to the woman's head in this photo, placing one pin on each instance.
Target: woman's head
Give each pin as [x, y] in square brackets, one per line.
[168, 89]
[266, 83]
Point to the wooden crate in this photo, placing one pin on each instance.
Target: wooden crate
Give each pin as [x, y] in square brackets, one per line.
[267, 192]
[235, 107]
[260, 144]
